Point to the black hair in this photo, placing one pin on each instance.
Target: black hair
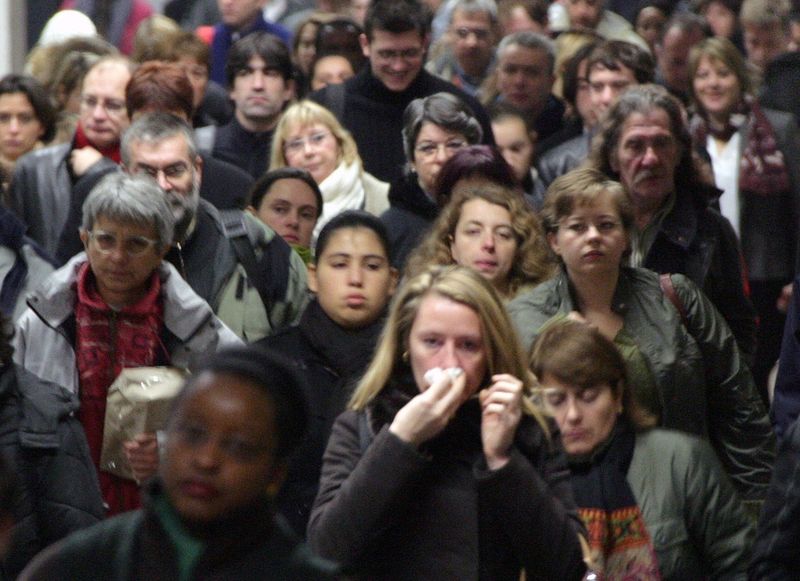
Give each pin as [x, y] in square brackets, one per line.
[38, 98]
[6, 335]
[276, 376]
[352, 219]
[397, 16]
[611, 54]
[569, 79]
[8, 488]
[261, 188]
[269, 47]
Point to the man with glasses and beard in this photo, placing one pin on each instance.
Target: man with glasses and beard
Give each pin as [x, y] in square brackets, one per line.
[248, 274]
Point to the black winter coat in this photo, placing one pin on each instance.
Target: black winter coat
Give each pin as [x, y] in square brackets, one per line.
[330, 361]
[387, 510]
[58, 492]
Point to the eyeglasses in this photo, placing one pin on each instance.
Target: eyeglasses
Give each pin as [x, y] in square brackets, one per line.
[429, 149]
[298, 145]
[480, 34]
[133, 246]
[409, 54]
[171, 173]
[110, 106]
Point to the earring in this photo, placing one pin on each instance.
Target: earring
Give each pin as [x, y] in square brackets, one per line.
[404, 357]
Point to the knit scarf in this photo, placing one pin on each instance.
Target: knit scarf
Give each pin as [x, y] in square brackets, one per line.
[618, 537]
[342, 190]
[107, 341]
[112, 152]
[762, 169]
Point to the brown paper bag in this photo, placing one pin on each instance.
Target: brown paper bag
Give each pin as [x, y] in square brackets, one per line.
[138, 401]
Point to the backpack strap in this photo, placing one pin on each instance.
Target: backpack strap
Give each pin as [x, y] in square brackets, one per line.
[268, 274]
[665, 280]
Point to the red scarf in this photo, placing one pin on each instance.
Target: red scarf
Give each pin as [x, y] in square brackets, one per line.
[762, 169]
[106, 342]
[112, 152]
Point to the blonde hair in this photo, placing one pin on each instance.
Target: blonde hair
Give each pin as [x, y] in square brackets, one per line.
[532, 260]
[304, 114]
[504, 354]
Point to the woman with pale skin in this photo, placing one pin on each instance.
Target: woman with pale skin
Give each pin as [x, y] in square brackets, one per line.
[755, 155]
[27, 120]
[490, 229]
[434, 130]
[685, 367]
[685, 520]
[288, 200]
[309, 137]
[329, 69]
[441, 436]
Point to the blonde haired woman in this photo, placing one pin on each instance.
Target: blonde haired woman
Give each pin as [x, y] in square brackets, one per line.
[450, 477]
[491, 229]
[308, 136]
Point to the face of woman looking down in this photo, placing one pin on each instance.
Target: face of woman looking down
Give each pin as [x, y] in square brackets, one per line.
[447, 334]
[585, 416]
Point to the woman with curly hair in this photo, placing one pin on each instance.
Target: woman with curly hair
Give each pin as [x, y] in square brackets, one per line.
[491, 229]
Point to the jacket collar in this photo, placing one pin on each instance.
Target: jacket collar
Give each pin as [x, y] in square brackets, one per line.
[184, 311]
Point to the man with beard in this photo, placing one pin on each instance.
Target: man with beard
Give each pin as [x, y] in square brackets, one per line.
[259, 78]
[253, 281]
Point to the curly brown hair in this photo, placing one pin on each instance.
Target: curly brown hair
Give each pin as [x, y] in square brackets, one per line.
[533, 262]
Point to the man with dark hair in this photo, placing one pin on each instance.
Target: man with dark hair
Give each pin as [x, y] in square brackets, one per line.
[371, 104]
[259, 79]
[681, 33]
[239, 19]
[612, 67]
[209, 512]
[524, 78]
[644, 143]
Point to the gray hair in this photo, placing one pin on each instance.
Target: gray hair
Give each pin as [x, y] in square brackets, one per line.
[155, 128]
[531, 40]
[133, 200]
[475, 7]
[444, 110]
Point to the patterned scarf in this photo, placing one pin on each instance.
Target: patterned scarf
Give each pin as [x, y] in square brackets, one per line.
[762, 169]
[106, 342]
[618, 537]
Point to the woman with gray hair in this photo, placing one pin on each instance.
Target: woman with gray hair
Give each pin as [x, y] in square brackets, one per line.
[115, 306]
[434, 129]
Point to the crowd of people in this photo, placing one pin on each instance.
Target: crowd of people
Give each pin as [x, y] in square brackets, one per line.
[420, 289]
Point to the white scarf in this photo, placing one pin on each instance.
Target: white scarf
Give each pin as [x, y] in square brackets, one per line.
[342, 190]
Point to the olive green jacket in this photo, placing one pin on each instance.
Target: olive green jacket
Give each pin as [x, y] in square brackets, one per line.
[705, 388]
[696, 520]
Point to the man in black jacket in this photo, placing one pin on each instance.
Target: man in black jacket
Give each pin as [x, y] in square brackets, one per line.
[371, 104]
[645, 144]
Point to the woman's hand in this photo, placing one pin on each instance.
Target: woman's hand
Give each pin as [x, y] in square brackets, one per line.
[428, 413]
[142, 454]
[502, 411]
